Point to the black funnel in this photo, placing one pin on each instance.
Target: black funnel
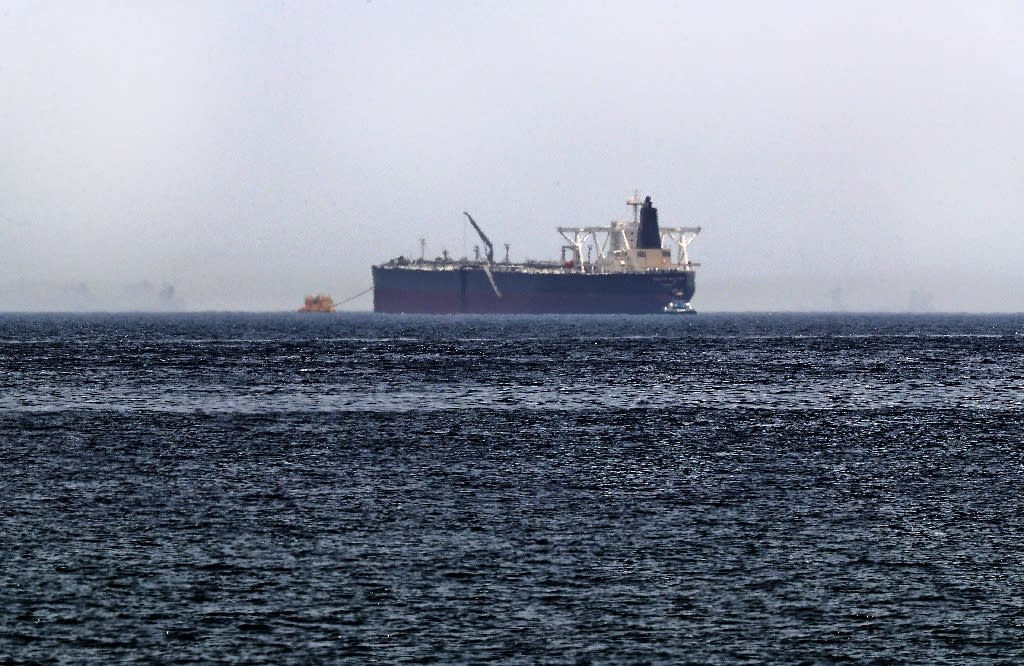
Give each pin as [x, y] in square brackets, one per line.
[649, 236]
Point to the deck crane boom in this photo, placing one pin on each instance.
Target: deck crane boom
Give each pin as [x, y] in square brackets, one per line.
[483, 237]
[490, 253]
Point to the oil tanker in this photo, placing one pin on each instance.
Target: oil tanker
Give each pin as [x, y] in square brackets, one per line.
[630, 267]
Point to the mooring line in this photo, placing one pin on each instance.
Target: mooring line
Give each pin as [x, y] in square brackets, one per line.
[352, 298]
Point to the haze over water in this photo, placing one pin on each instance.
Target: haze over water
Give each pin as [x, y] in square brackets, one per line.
[861, 156]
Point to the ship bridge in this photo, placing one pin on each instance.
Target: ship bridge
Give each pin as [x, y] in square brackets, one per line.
[629, 246]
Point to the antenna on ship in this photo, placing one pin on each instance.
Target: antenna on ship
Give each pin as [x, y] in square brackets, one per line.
[507, 246]
[635, 202]
[423, 248]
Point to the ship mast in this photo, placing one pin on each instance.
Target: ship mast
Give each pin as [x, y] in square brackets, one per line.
[635, 202]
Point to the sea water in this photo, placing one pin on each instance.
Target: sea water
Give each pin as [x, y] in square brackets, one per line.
[282, 488]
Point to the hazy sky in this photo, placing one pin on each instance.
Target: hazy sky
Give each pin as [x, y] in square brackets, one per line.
[859, 155]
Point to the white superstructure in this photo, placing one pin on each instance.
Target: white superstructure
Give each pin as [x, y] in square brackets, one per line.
[615, 247]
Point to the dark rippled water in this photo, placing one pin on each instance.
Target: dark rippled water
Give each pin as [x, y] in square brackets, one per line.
[289, 489]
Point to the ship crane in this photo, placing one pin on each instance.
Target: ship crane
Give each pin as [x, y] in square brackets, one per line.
[490, 253]
[483, 237]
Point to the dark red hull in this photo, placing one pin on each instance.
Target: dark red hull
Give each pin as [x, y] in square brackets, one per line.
[467, 289]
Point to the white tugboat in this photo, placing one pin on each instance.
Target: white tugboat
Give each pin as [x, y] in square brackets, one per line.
[679, 307]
